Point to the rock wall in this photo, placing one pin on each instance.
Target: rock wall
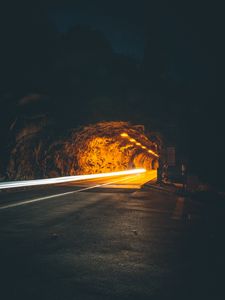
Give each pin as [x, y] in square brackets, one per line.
[40, 153]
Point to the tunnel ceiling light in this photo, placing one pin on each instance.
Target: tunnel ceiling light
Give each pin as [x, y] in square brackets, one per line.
[124, 134]
[152, 152]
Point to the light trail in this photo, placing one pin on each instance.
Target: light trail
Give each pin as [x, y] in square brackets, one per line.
[28, 183]
[25, 202]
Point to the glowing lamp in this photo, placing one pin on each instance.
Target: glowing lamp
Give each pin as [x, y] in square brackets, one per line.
[152, 152]
[124, 134]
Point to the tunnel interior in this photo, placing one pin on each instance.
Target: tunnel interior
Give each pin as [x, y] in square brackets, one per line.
[96, 148]
[114, 146]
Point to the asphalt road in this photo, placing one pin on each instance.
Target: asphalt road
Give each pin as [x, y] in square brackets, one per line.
[109, 239]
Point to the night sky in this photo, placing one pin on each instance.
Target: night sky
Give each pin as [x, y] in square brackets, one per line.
[186, 30]
[124, 29]
[160, 62]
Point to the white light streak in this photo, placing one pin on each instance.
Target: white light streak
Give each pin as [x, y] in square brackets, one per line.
[28, 183]
[63, 194]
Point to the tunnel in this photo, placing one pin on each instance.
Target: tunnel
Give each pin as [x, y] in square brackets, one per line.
[114, 146]
[96, 148]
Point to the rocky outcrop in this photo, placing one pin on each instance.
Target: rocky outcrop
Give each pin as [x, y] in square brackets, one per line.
[100, 148]
[40, 153]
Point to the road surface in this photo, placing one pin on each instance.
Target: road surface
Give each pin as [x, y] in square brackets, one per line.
[108, 239]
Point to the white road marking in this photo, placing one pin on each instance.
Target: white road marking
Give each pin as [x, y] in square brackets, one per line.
[23, 183]
[62, 194]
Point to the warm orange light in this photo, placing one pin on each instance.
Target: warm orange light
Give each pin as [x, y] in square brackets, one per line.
[138, 144]
[143, 147]
[124, 134]
[132, 140]
[152, 152]
[16, 184]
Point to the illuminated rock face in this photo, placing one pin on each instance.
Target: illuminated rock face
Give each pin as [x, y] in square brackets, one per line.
[101, 148]
[101, 154]
[96, 148]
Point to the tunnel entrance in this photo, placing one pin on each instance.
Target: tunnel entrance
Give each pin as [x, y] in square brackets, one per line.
[114, 146]
[97, 148]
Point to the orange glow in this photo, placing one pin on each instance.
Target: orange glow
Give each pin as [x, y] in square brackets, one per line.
[152, 152]
[124, 134]
[103, 153]
[16, 184]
